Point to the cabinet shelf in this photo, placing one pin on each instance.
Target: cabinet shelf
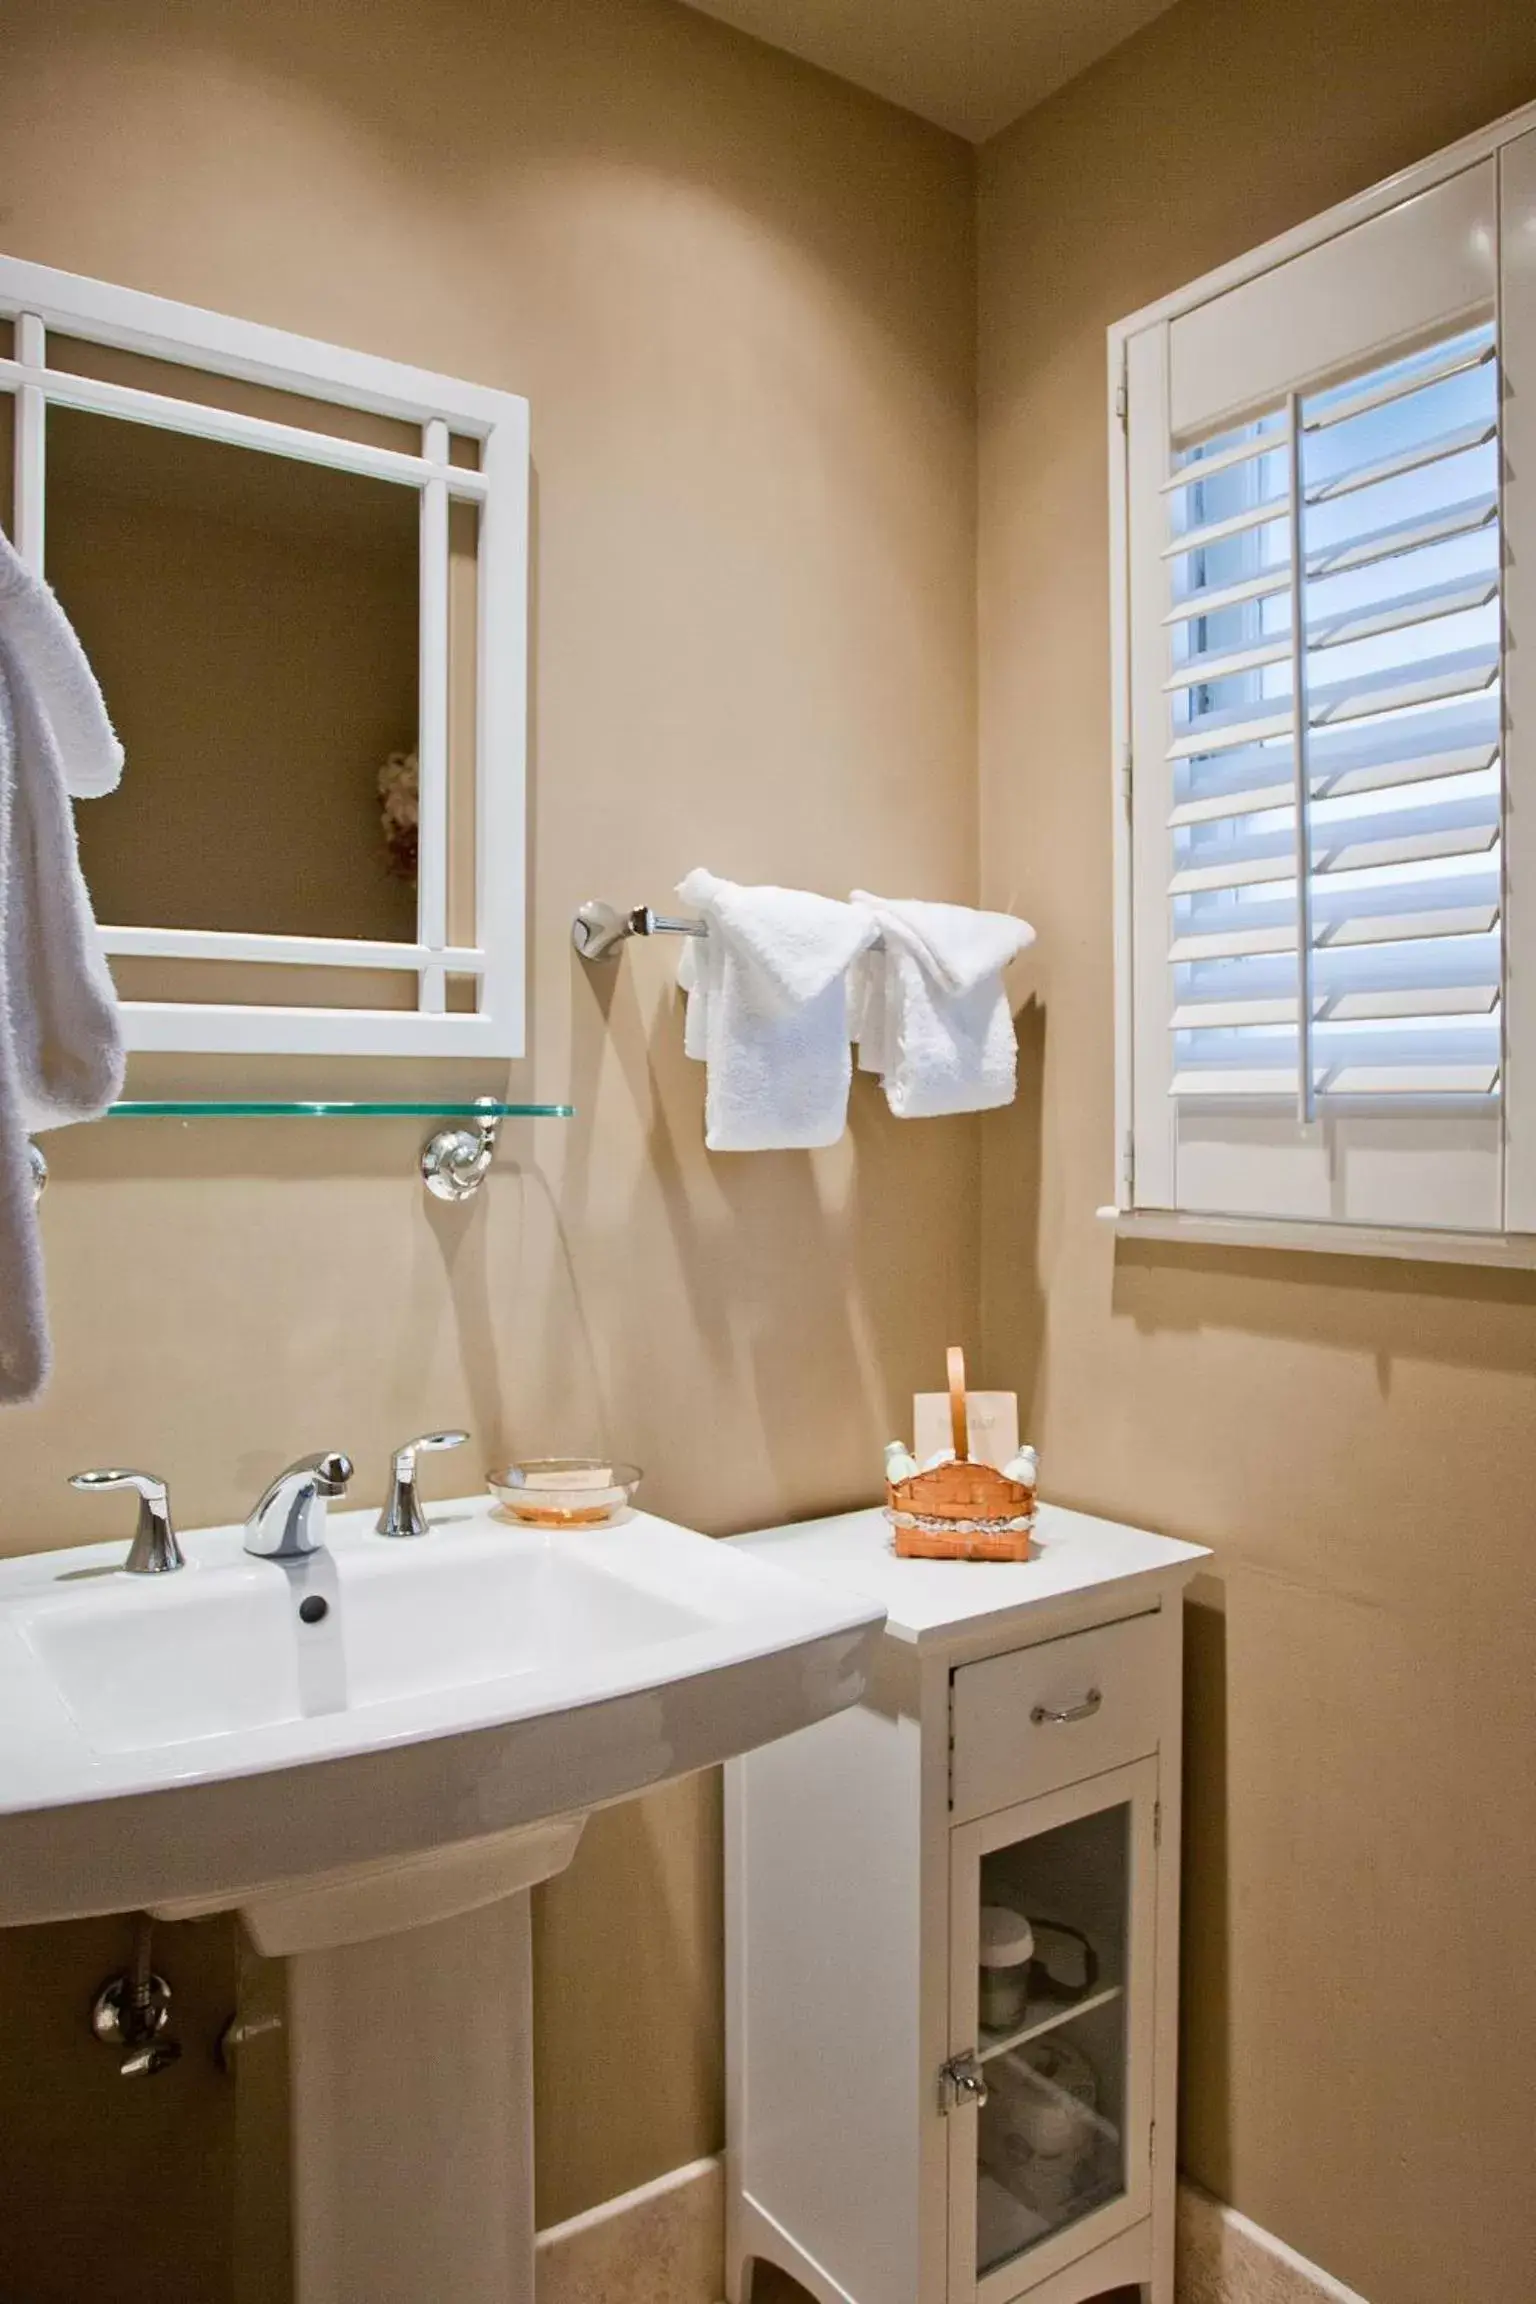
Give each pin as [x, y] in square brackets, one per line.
[1059, 2012]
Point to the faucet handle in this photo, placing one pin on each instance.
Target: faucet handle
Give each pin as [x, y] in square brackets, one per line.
[402, 1514]
[154, 1550]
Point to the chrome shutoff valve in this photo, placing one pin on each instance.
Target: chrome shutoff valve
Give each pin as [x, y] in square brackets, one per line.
[132, 2011]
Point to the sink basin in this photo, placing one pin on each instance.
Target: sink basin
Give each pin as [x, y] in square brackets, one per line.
[142, 1663]
[190, 1741]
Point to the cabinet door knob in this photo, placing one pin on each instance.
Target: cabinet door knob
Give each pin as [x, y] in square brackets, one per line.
[1044, 1716]
[962, 2081]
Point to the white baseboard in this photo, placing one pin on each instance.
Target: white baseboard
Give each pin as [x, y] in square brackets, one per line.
[663, 2243]
[1224, 2258]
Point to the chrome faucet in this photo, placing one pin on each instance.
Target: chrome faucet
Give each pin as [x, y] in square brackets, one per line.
[403, 1515]
[154, 1550]
[289, 1522]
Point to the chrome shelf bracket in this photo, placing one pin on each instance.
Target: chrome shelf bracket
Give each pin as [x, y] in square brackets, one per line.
[456, 1161]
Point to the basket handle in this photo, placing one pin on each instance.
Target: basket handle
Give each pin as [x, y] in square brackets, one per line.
[959, 1423]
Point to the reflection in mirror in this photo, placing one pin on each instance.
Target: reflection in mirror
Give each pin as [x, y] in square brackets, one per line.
[254, 623]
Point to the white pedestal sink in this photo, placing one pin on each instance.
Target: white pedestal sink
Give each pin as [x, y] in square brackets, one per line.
[375, 1791]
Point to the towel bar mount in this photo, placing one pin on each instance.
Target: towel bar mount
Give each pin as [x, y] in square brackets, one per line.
[600, 931]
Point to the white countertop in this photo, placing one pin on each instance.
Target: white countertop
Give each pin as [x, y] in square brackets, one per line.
[930, 1601]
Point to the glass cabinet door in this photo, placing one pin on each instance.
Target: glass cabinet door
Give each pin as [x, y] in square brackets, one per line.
[1051, 1937]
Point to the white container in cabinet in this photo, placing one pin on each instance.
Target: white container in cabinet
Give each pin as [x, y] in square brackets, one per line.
[1018, 1744]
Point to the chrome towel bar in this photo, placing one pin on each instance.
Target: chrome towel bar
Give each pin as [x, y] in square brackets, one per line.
[600, 931]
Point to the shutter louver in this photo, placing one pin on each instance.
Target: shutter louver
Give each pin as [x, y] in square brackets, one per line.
[1334, 694]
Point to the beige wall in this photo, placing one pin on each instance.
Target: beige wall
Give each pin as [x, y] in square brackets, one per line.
[1357, 1441]
[741, 301]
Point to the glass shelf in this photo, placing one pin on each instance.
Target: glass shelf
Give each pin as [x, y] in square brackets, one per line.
[454, 1162]
[256, 1108]
[1046, 2013]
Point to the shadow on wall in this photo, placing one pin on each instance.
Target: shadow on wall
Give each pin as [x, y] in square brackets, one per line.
[1465, 1315]
[454, 1239]
[815, 1313]
[633, 1932]
[771, 2286]
[454, 113]
[1205, 2139]
[1012, 1288]
[1366, 1407]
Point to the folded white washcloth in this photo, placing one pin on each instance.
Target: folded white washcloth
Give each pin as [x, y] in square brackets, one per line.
[768, 1012]
[61, 1050]
[931, 1014]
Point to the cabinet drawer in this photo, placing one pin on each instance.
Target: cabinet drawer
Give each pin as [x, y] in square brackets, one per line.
[1050, 1715]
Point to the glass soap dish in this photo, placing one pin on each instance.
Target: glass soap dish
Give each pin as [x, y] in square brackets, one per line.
[564, 1491]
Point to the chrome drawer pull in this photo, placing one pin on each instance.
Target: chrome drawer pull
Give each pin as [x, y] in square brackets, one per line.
[1043, 1716]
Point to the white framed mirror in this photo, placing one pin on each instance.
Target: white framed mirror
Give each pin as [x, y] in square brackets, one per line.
[301, 575]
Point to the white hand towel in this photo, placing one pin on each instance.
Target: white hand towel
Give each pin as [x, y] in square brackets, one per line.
[768, 1012]
[932, 1015]
[61, 1052]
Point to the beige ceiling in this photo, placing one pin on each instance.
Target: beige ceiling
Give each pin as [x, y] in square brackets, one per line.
[971, 65]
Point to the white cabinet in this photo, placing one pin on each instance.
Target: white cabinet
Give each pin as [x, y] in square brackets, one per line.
[892, 2140]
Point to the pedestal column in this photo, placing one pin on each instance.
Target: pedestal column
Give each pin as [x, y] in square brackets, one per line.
[412, 2114]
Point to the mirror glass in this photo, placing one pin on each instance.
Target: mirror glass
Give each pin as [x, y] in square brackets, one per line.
[253, 622]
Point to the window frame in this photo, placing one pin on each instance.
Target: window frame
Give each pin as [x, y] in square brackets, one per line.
[1500, 1248]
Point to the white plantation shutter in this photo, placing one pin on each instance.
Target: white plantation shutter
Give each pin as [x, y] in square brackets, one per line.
[1319, 938]
[1334, 833]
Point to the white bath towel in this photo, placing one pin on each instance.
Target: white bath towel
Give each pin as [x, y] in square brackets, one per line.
[931, 1012]
[61, 1051]
[768, 1012]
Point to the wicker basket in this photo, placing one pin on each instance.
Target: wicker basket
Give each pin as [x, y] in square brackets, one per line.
[961, 1511]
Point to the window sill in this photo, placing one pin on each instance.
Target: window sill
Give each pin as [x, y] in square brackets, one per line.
[1511, 1251]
